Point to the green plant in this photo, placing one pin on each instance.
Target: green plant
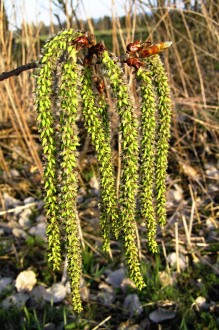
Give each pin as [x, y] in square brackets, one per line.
[63, 87]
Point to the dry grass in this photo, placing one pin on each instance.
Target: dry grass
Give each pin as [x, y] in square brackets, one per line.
[192, 65]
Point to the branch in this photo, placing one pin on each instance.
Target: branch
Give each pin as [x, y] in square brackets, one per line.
[17, 71]
[137, 50]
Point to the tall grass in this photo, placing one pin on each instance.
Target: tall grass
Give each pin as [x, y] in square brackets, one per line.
[191, 63]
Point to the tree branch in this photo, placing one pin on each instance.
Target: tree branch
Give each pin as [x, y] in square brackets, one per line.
[17, 71]
[137, 51]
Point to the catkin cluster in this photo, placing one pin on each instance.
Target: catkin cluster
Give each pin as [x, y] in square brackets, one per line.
[65, 86]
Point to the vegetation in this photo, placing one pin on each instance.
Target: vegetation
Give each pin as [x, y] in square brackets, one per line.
[181, 278]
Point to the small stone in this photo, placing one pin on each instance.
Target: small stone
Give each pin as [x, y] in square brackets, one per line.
[174, 195]
[29, 200]
[39, 230]
[38, 292]
[50, 326]
[200, 304]
[25, 281]
[94, 184]
[24, 218]
[10, 201]
[115, 278]
[210, 223]
[56, 293]
[172, 259]
[132, 303]
[212, 172]
[41, 218]
[40, 205]
[212, 188]
[14, 173]
[5, 282]
[161, 314]
[145, 324]
[18, 299]
[19, 233]
[84, 291]
[107, 295]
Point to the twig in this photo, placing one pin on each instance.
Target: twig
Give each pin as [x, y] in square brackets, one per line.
[101, 323]
[65, 272]
[177, 247]
[165, 256]
[17, 71]
[18, 208]
[187, 231]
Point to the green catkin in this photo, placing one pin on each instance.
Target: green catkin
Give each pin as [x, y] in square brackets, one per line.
[46, 127]
[58, 83]
[164, 106]
[46, 85]
[102, 107]
[52, 52]
[129, 177]
[147, 154]
[68, 98]
[100, 139]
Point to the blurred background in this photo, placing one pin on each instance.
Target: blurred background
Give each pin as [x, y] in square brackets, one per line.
[182, 281]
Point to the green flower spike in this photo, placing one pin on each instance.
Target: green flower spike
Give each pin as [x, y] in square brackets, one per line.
[163, 133]
[68, 97]
[147, 154]
[102, 107]
[129, 177]
[46, 122]
[101, 141]
[59, 84]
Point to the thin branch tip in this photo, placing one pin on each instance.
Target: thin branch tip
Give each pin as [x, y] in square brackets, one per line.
[18, 70]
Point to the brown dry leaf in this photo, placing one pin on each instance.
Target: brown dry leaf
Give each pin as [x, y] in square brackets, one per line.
[190, 171]
[24, 185]
[167, 279]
